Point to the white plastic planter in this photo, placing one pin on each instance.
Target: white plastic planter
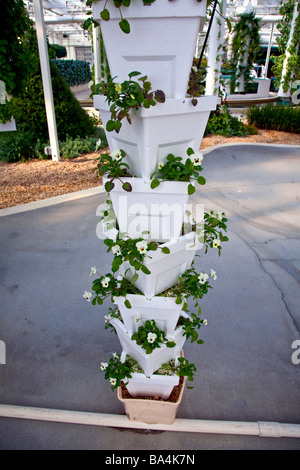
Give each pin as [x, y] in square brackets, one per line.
[159, 211]
[165, 268]
[163, 310]
[8, 126]
[161, 43]
[154, 386]
[170, 127]
[148, 362]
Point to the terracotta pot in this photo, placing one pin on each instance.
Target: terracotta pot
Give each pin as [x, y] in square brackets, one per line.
[151, 411]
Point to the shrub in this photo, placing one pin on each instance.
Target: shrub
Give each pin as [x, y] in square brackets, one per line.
[75, 72]
[279, 118]
[30, 114]
[15, 146]
[221, 122]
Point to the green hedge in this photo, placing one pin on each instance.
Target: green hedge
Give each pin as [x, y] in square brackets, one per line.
[279, 118]
[75, 72]
[222, 122]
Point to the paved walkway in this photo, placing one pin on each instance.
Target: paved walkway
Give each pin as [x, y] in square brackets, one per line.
[55, 340]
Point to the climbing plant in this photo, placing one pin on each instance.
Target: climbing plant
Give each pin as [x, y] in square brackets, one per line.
[293, 59]
[245, 49]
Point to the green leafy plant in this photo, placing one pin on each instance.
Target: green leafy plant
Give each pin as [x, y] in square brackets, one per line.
[75, 72]
[245, 47]
[108, 286]
[114, 166]
[190, 325]
[176, 170]
[196, 84]
[150, 337]
[6, 111]
[280, 117]
[116, 371]
[134, 251]
[289, 53]
[123, 97]
[184, 368]
[222, 122]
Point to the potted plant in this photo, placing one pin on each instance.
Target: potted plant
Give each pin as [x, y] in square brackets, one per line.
[138, 35]
[152, 135]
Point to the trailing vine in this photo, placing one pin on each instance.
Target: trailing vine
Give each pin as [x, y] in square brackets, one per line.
[293, 59]
[245, 49]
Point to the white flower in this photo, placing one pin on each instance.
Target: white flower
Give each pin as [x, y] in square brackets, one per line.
[151, 337]
[105, 281]
[198, 157]
[213, 274]
[113, 381]
[137, 318]
[161, 165]
[119, 279]
[103, 365]
[93, 270]
[216, 243]
[203, 278]
[116, 154]
[205, 322]
[87, 296]
[142, 246]
[116, 250]
[106, 318]
[115, 354]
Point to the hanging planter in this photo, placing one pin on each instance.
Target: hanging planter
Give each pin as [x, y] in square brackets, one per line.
[163, 310]
[158, 385]
[148, 362]
[169, 127]
[161, 42]
[165, 268]
[159, 211]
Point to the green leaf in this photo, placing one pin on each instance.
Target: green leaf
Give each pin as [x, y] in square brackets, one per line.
[165, 250]
[127, 187]
[105, 15]
[191, 189]
[110, 126]
[127, 303]
[201, 180]
[155, 183]
[134, 74]
[170, 344]
[125, 26]
[190, 151]
[145, 269]
[109, 185]
[134, 278]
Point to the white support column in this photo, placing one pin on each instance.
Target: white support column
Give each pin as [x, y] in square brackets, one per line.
[268, 52]
[97, 53]
[46, 77]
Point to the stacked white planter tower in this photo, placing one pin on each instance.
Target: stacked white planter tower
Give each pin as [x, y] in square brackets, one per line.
[161, 45]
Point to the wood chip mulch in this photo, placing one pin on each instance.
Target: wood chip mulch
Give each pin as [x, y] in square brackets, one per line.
[34, 179]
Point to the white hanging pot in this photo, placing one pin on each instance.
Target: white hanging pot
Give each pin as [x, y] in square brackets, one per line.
[163, 310]
[159, 211]
[148, 362]
[155, 132]
[165, 268]
[161, 42]
[155, 386]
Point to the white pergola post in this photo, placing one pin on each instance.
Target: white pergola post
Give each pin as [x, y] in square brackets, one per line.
[268, 52]
[46, 77]
[97, 53]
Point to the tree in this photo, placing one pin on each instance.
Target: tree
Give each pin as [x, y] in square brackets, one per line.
[14, 59]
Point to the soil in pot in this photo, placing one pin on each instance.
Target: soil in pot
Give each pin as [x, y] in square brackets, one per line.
[173, 398]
